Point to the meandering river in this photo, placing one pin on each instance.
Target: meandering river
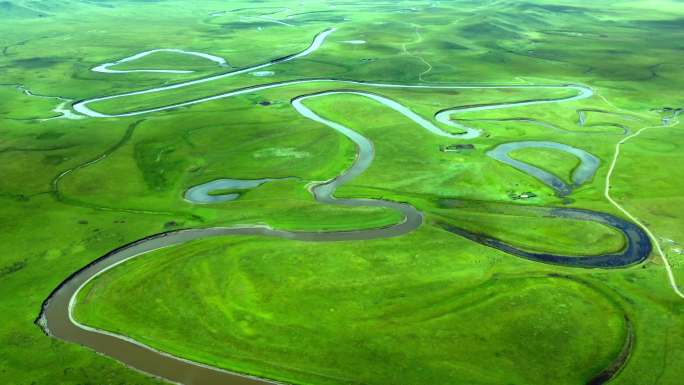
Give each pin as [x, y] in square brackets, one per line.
[57, 318]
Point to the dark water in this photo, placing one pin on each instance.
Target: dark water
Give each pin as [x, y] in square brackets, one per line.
[638, 245]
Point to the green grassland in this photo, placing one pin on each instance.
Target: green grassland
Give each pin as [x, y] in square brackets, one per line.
[425, 308]
[391, 311]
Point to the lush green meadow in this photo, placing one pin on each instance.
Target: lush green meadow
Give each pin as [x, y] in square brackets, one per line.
[428, 307]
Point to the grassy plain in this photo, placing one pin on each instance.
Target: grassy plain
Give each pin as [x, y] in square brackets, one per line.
[353, 315]
[428, 307]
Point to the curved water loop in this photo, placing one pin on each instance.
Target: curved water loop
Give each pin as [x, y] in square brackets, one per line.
[583, 173]
[637, 249]
[105, 68]
[204, 193]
